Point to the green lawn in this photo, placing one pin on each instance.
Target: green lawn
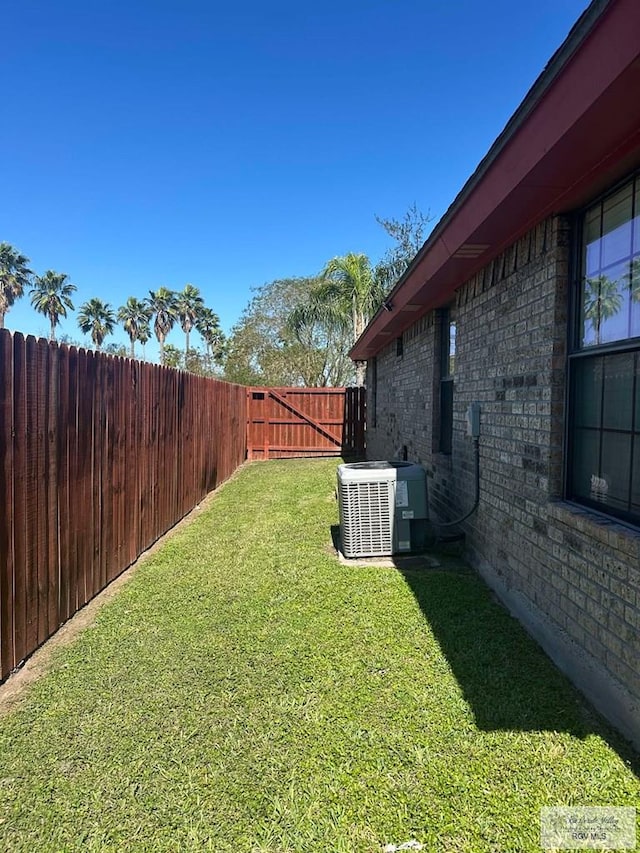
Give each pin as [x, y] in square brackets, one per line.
[246, 692]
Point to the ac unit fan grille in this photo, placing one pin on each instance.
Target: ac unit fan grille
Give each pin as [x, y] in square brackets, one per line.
[366, 518]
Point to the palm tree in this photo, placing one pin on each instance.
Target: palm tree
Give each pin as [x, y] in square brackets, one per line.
[133, 315]
[208, 324]
[602, 301]
[162, 303]
[14, 277]
[51, 296]
[144, 333]
[347, 297]
[97, 318]
[189, 304]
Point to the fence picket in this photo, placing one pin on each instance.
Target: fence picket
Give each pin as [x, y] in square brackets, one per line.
[19, 498]
[7, 528]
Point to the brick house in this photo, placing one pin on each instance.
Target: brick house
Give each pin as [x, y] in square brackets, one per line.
[526, 299]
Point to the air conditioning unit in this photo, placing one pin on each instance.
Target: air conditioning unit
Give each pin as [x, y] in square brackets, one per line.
[383, 508]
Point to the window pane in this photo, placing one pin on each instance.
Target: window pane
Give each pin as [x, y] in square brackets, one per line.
[604, 448]
[618, 391]
[615, 306]
[606, 306]
[617, 213]
[592, 240]
[616, 468]
[587, 392]
[452, 348]
[586, 446]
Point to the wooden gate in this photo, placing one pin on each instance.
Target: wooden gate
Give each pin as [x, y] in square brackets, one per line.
[288, 422]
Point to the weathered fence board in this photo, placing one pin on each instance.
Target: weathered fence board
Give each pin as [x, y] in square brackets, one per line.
[286, 422]
[99, 456]
[7, 521]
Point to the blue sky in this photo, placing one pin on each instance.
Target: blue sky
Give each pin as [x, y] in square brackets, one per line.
[160, 142]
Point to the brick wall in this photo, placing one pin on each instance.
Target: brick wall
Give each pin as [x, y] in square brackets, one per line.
[570, 575]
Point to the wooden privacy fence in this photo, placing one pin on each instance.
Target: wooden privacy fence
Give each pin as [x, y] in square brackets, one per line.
[99, 456]
[286, 422]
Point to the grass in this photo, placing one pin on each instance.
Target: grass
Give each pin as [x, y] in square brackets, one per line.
[246, 692]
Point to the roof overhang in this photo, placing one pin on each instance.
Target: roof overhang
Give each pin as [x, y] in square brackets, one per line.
[576, 132]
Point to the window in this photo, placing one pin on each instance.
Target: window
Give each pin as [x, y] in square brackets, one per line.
[604, 431]
[400, 346]
[447, 370]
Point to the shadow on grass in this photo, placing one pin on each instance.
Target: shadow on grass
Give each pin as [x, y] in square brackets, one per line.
[507, 679]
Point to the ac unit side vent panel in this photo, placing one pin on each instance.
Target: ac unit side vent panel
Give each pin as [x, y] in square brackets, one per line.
[366, 515]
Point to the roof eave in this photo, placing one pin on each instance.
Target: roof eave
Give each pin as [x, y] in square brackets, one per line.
[442, 248]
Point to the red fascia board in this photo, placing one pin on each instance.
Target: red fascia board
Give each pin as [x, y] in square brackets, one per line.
[580, 112]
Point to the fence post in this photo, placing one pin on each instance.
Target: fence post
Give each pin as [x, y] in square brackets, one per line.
[249, 424]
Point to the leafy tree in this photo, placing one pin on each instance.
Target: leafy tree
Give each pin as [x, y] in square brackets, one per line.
[200, 363]
[346, 297]
[172, 356]
[162, 303]
[119, 350]
[327, 343]
[68, 341]
[263, 348]
[208, 324]
[602, 300]
[409, 234]
[96, 318]
[14, 277]
[134, 315]
[189, 305]
[195, 361]
[51, 296]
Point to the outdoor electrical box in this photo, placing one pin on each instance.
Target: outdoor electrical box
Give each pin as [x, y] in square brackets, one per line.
[383, 508]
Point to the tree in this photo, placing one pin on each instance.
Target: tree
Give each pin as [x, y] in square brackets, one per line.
[327, 344]
[200, 363]
[14, 277]
[189, 305]
[51, 296]
[134, 315]
[195, 361]
[162, 303]
[409, 235]
[263, 349]
[172, 357]
[68, 341]
[208, 324]
[144, 333]
[96, 318]
[602, 300]
[119, 350]
[346, 297]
